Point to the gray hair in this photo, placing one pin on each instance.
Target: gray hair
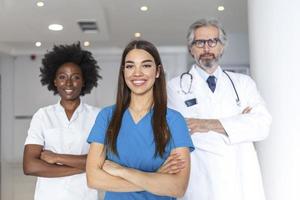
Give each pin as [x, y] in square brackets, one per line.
[203, 23]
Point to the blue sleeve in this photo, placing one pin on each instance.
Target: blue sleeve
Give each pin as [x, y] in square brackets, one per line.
[179, 131]
[100, 126]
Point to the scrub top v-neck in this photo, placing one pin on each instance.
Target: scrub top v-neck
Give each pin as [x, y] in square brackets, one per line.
[136, 146]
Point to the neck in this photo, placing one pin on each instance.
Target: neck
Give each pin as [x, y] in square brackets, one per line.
[70, 105]
[141, 102]
[209, 70]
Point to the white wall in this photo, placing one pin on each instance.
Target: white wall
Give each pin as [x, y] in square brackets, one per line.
[274, 46]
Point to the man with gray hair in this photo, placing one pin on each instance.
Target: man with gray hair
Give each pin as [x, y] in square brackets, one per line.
[225, 115]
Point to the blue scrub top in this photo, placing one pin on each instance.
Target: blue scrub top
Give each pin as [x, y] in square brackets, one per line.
[136, 146]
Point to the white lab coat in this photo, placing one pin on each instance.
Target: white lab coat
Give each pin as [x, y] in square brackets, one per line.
[223, 167]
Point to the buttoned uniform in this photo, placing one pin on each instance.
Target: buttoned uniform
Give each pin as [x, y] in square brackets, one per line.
[223, 167]
[51, 128]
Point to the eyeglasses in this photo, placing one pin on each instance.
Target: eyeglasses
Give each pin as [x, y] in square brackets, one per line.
[201, 43]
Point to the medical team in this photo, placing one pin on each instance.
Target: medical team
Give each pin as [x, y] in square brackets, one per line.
[191, 138]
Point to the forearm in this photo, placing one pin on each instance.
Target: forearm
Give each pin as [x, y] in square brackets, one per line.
[214, 125]
[37, 167]
[75, 161]
[156, 183]
[204, 125]
[99, 179]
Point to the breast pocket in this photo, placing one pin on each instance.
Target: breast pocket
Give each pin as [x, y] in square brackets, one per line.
[53, 140]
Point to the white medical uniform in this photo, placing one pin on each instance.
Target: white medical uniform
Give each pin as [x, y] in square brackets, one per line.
[223, 167]
[51, 128]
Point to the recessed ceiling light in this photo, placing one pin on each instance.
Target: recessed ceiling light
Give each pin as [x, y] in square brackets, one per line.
[40, 4]
[38, 44]
[86, 43]
[221, 8]
[144, 8]
[55, 27]
[137, 34]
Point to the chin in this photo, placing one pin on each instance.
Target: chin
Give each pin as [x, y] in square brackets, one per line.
[70, 98]
[142, 91]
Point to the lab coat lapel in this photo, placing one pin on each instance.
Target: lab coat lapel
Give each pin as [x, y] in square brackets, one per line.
[203, 94]
[225, 98]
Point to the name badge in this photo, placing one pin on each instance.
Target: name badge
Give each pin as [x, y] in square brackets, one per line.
[190, 102]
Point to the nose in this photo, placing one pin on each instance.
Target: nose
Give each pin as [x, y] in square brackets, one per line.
[69, 82]
[137, 71]
[206, 48]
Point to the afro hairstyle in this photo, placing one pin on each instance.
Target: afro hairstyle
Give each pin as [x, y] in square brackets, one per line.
[73, 53]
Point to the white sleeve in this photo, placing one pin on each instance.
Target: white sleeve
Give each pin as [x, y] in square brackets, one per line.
[174, 100]
[253, 126]
[35, 131]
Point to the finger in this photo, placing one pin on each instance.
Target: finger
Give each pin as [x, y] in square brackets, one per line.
[175, 169]
[171, 157]
[246, 110]
[165, 167]
[174, 164]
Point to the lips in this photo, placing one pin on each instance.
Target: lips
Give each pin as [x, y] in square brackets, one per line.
[207, 56]
[138, 82]
[69, 91]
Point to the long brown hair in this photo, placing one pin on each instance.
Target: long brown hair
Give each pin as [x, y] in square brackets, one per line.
[161, 131]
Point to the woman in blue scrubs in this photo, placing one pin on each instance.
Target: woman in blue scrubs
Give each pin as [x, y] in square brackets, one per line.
[131, 140]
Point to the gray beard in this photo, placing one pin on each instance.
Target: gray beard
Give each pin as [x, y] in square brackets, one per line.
[207, 63]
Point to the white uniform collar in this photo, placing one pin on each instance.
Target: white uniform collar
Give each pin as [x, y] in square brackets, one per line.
[60, 108]
[204, 75]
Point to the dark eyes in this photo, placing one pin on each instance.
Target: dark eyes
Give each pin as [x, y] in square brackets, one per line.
[63, 77]
[147, 65]
[128, 66]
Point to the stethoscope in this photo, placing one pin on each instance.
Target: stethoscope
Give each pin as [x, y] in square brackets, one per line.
[237, 100]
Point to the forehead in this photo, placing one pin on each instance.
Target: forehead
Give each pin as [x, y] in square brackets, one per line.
[69, 68]
[138, 55]
[206, 32]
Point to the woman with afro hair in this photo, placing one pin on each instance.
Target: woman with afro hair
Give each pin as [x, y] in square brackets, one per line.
[55, 148]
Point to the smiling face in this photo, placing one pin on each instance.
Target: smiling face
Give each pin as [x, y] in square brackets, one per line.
[140, 71]
[69, 81]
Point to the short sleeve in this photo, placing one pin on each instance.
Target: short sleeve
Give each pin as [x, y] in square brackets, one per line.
[179, 131]
[100, 126]
[35, 131]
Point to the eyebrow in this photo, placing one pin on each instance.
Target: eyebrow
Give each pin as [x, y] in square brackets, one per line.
[129, 61]
[76, 73]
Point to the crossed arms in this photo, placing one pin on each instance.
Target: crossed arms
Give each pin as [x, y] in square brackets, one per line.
[44, 163]
[110, 176]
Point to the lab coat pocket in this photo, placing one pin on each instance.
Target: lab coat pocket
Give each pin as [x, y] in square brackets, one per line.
[53, 140]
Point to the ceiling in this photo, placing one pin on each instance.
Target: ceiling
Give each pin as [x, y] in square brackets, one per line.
[165, 23]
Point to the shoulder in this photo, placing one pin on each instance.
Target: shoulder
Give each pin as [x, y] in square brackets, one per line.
[107, 111]
[91, 109]
[173, 115]
[174, 81]
[240, 78]
[45, 110]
